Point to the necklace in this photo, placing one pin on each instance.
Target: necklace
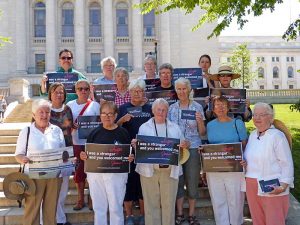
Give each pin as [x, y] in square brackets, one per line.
[260, 132]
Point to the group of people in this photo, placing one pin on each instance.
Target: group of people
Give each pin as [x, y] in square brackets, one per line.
[158, 188]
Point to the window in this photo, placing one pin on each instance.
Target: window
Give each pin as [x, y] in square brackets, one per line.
[40, 20]
[67, 20]
[260, 59]
[228, 59]
[275, 72]
[290, 72]
[275, 59]
[261, 72]
[122, 20]
[39, 63]
[292, 59]
[123, 60]
[291, 86]
[276, 86]
[95, 20]
[149, 24]
[261, 87]
[287, 59]
[95, 63]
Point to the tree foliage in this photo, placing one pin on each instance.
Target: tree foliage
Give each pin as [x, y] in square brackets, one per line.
[223, 11]
[241, 63]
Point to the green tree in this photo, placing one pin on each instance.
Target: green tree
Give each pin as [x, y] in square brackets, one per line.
[3, 40]
[241, 63]
[223, 11]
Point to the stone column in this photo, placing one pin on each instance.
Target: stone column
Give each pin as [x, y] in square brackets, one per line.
[21, 36]
[51, 35]
[79, 35]
[137, 38]
[164, 53]
[283, 74]
[108, 28]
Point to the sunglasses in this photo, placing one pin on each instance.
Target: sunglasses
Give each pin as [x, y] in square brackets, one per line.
[81, 89]
[66, 58]
[225, 75]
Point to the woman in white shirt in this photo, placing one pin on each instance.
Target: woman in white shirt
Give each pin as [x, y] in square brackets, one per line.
[268, 158]
[43, 135]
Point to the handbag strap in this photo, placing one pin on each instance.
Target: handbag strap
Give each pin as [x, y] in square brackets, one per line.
[26, 148]
[237, 129]
[84, 108]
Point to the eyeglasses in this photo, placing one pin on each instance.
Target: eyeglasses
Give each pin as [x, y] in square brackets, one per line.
[58, 93]
[82, 88]
[225, 75]
[107, 114]
[66, 58]
[137, 91]
[260, 115]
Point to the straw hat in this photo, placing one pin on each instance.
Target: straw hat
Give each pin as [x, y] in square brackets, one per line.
[16, 185]
[183, 155]
[282, 127]
[224, 70]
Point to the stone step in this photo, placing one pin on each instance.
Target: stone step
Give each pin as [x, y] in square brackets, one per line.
[9, 168]
[7, 148]
[8, 159]
[9, 132]
[8, 139]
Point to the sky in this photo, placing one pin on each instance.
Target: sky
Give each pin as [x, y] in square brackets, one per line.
[268, 24]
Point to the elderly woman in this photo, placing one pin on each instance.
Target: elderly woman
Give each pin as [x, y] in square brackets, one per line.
[42, 135]
[225, 75]
[225, 188]
[150, 67]
[268, 157]
[122, 93]
[160, 183]
[82, 106]
[165, 75]
[192, 129]
[132, 122]
[61, 116]
[205, 63]
[108, 189]
[108, 66]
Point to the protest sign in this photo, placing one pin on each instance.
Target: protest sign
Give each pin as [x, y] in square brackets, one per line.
[51, 163]
[157, 150]
[107, 158]
[222, 157]
[170, 96]
[151, 84]
[104, 91]
[86, 124]
[236, 98]
[67, 79]
[193, 74]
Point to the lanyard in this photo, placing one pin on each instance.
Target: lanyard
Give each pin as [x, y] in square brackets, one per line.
[156, 128]
[185, 125]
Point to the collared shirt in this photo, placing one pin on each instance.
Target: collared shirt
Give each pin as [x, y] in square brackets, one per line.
[103, 80]
[38, 141]
[122, 99]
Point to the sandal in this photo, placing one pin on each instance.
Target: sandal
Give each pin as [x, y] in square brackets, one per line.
[193, 220]
[179, 219]
[79, 206]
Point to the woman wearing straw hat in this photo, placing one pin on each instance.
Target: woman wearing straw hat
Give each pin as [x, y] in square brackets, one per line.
[192, 129]
[269, 160]
[225, 75]
[43, 135]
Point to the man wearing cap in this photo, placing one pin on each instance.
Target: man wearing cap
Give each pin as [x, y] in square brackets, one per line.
[225, 75]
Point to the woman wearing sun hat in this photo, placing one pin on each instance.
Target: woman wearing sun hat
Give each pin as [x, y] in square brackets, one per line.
[225, 75]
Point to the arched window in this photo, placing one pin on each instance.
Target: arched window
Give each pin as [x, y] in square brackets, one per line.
[122, 19]
[275, 72]
[94, 20]
[39, 19]
[261, 72]
[290, 72]
[67, 20]
[149, 24]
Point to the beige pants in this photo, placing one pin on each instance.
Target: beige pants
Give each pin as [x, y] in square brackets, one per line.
[47, 191]
[159, 193]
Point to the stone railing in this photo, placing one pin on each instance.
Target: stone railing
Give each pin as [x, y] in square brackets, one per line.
[274, 96]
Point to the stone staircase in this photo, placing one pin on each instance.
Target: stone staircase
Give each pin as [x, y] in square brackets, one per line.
[10, 214]
[21, 114]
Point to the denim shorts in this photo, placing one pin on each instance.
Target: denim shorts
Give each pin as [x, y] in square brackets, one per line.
[190, 177]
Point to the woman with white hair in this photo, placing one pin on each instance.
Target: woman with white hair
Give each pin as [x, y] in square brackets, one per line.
[160, 182]
[108, 66]
[40, 135]
[192, 129]
[268, 157]
[122, 93]
[132, 122]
